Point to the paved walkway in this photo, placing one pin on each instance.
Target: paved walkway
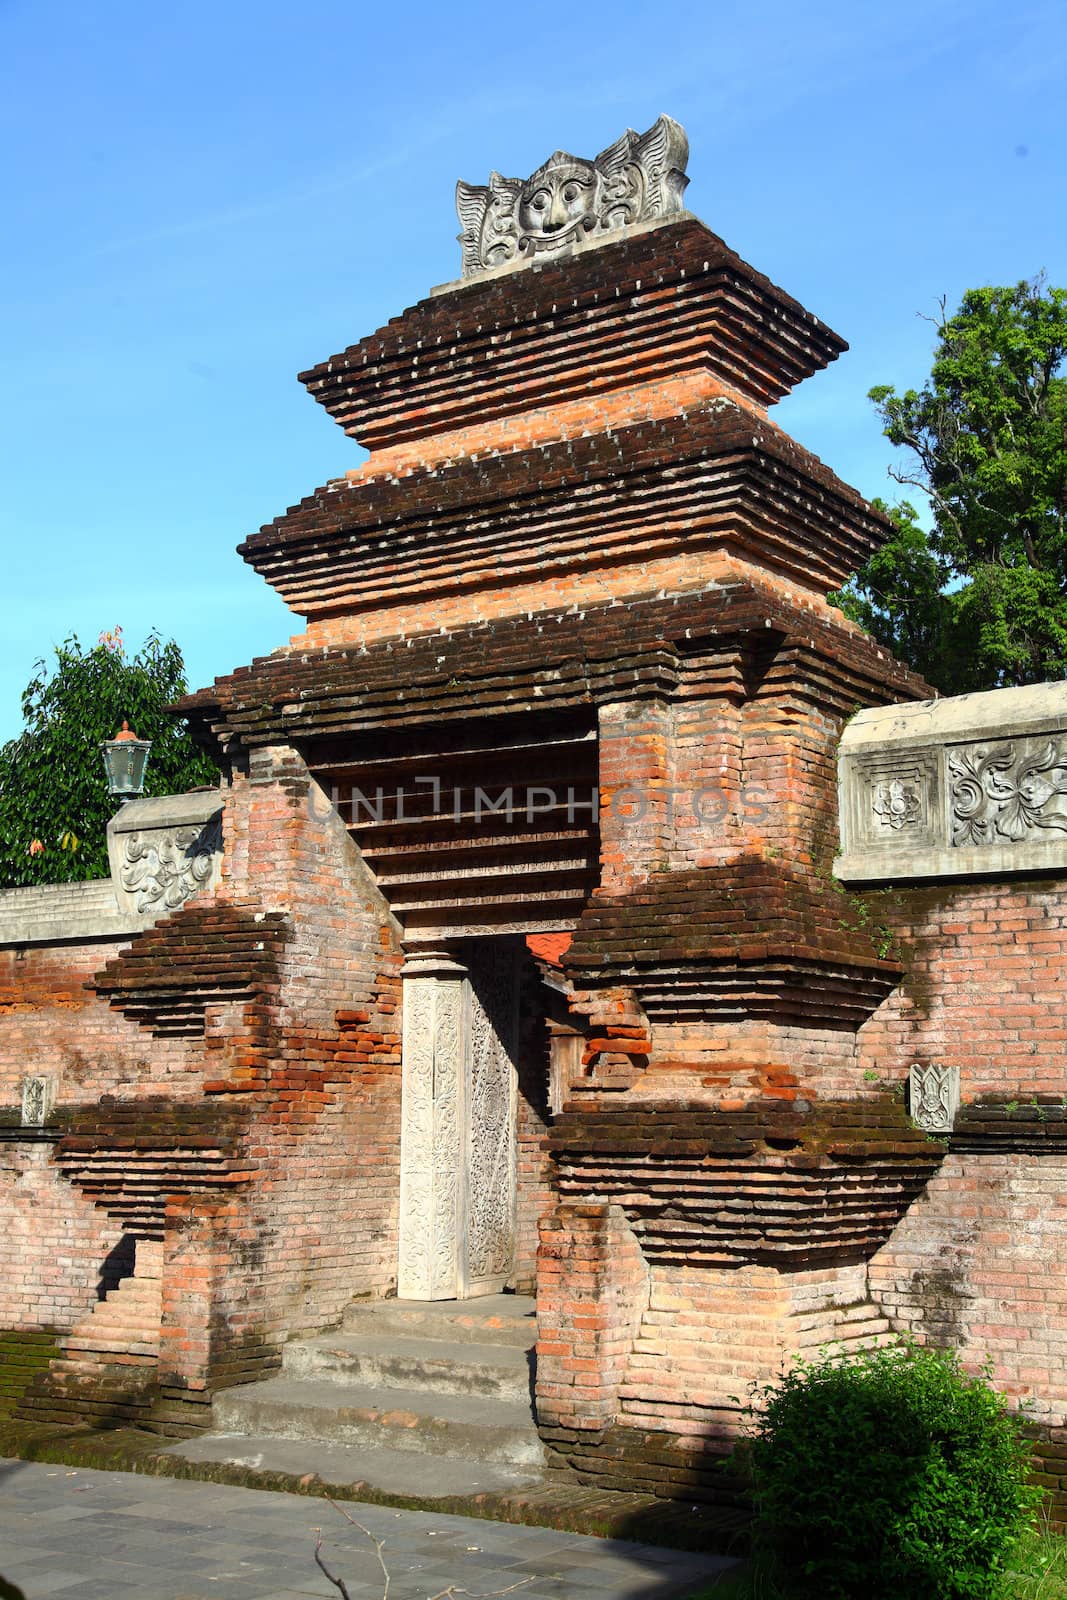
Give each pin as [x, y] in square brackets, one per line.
[84, 1535]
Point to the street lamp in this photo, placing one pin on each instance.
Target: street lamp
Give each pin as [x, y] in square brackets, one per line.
[125, 758]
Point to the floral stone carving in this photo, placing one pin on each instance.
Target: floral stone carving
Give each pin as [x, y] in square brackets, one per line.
[165, 850]
[934, 1096]
[568, 200]
[974, 784]
[896, 803]
[1007, 792]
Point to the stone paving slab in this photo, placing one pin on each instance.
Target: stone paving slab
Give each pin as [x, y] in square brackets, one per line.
[394, 1471]
[80, 1534]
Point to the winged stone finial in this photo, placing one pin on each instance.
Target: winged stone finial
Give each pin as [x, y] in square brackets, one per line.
[639, 178]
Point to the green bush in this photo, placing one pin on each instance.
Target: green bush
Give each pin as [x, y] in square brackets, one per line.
[889, 1473]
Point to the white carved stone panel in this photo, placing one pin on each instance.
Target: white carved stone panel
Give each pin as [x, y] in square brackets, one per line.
[433, 1115]
[894, 800]
[38, 1098]
[491, 1125]
[1008, 793]
[956, 787]
[164, 850]
[934, 1096]
[457, 1148]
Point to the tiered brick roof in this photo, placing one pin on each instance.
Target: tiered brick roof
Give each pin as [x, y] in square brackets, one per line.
[791, 1187]
[749, 938]
[662, 301]
[554, 660]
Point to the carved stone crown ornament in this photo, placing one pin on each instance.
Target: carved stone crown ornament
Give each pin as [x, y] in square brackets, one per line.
[639, 178]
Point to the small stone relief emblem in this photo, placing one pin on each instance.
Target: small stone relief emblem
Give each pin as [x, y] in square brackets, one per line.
[38, 1098]
[934, 1094]
[890, 801]
[896, 804]
[639, 178]
[1007, 793]
[165, 868]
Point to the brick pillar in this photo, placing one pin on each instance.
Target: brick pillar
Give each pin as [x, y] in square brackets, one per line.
[212, 1324]
[592, 1291]
[636, 799]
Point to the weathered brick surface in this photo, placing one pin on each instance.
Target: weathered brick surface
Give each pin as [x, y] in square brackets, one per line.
[982, 988]
[54, 1244]
[593, 1285]
[229, 1085]
[976, 1264]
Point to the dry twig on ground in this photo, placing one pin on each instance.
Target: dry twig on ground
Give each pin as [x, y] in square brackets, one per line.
[451, 1593]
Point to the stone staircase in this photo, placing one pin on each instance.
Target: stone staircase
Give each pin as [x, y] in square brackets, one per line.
[426, 1398]
[861, 1326]
[107, 1366]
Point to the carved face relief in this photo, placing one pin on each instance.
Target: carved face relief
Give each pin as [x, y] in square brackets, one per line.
[557, 205]
[639, 178]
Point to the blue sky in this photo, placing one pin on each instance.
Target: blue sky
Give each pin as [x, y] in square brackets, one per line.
[203, 200]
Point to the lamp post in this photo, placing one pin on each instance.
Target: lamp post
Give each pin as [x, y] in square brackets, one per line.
[125, 758]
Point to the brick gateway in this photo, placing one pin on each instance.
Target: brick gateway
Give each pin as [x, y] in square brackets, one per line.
[523, 962]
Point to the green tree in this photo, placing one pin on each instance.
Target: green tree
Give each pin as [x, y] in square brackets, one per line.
[980, 601]
[54, 802]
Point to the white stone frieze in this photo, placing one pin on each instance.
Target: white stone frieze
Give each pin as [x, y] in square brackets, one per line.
[969, 785]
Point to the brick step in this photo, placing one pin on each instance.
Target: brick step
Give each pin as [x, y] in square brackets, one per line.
[132, 1317]
[125, 1317]
[142, 1292]
[500, 1319]
[90, 1351]
[470, 1427]
[397, 1362]
[140, 1341]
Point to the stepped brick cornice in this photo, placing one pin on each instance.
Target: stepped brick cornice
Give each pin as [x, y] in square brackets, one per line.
[998, 1124]
[660, 646]
[202, 955]
[750, 938]
[129, 1156]
[713, 479]
[790, 1187]
[667, 300]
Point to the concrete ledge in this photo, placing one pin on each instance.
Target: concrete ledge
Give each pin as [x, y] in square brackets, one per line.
[55, 913]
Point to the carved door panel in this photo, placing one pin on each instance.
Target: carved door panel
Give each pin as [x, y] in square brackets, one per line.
[458, 1131]
[490, 1157]
[431, 1138]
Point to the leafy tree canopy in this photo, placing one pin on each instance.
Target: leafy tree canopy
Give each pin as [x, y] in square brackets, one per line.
[54, 801]
[981, 600]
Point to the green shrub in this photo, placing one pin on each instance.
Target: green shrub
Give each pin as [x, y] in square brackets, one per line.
[889, 1473]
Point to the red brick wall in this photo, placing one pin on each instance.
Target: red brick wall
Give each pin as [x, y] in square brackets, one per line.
[978, 1265]
[51, 1023]
[710, 1335]
[321, 1213]
[983, 985]
[53, 1244]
